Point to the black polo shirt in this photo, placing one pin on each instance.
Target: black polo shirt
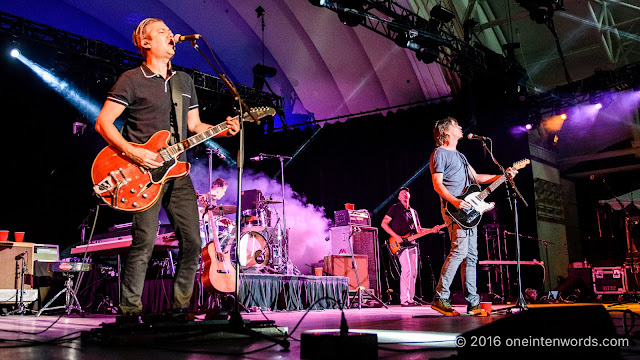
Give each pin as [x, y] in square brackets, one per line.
[147, 97]
[402, 220]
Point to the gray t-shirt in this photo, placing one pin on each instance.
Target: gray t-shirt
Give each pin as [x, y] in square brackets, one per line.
[453, 166]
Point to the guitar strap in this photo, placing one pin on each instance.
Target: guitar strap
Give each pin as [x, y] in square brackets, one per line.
[176, 99]
[415, 220]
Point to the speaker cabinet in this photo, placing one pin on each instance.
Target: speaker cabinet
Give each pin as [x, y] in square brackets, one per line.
[364, 240]
[342, 265]
[11, 269]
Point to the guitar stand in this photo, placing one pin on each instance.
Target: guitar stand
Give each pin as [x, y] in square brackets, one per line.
[361, 288]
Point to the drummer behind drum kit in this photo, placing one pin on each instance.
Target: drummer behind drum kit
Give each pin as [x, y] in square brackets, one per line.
[261, 244]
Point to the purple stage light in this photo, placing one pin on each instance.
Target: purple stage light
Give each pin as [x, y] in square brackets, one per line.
[528, 126]
[598, 106]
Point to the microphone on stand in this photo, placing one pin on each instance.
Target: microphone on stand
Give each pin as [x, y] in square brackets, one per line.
[476, 137]
[257, 158]
[19, 256]
[177, 38]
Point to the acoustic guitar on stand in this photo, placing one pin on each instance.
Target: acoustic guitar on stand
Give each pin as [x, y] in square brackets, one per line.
[469, 218]
[408, 241]
[127, 186]
[218, 274]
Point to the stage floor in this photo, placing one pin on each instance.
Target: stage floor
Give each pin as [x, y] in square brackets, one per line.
[430, 334]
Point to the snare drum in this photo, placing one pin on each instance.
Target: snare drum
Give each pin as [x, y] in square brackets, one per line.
[253, 249]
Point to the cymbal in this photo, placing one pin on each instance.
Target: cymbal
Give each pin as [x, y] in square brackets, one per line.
[224, 210]
[270, 202]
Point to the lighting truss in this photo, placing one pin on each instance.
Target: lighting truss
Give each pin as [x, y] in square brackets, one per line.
[21, 28]
[423, 35]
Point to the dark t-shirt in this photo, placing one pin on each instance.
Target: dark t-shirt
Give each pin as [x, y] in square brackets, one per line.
[147, 97]
[402, 220]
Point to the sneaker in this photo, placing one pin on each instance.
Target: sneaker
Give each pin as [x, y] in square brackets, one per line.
[410, 303]
[474, 309]
[444, 307]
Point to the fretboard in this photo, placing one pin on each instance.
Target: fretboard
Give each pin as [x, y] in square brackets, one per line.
[491, 187]
[178, 148]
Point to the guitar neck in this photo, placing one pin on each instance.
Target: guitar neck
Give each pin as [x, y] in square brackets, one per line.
[491, 188]
[180, 147]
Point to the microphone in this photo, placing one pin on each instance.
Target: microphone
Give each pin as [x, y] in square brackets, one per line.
[177, 38]
[476, 137]
[19, 256]
[257, 158]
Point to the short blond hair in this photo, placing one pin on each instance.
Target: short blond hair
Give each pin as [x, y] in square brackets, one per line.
[141, 33]
[440, 130]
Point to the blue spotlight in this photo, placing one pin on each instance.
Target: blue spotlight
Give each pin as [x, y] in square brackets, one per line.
[87, 107]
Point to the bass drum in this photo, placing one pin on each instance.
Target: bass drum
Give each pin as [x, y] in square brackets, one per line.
[253, 248]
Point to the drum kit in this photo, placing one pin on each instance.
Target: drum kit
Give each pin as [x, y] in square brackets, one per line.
[261, 243]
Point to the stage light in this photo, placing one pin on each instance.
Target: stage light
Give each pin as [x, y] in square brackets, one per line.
[528, 126]
[74, 96]
[317, 2]
[442, 14]
[598, 106]
[349, 12]
[14, 53]
[563, 116]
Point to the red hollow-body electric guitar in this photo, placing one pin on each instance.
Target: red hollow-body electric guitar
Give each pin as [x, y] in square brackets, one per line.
[127, 186]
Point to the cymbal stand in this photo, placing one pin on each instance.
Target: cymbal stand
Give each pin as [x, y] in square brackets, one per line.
[290, 268]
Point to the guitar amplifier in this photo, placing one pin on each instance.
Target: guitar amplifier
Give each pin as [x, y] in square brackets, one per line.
[352, 217]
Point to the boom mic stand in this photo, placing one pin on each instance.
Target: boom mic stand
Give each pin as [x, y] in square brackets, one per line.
[513, 201]
[237, 324]
[22, 308]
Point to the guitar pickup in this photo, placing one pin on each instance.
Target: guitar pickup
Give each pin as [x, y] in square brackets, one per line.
[223, 271]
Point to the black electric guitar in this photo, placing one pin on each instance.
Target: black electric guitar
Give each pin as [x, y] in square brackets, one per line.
[469, 218]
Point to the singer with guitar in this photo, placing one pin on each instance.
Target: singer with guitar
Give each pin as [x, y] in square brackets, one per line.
[451, 175]
[157, 98]
[402, 220]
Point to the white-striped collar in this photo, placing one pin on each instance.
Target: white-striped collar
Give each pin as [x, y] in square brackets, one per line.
[146, 71]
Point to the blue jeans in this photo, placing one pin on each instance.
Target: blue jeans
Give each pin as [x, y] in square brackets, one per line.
[179, 201]
[463, 254]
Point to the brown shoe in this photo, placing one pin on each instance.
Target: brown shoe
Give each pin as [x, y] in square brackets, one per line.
[474, 309]
[444, 307]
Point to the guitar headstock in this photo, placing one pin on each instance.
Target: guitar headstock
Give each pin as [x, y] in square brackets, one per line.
[259, 113]
[520, 164]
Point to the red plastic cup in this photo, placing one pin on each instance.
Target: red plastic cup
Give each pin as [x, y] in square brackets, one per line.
[18, 236]
[349, 206]
[486, 306]
[4, 235]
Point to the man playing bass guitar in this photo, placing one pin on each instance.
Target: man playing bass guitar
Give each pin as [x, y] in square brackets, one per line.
[399, 221]
[451, 174]
[146, 93]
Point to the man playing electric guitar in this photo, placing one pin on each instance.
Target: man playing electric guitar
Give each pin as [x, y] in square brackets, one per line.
[146, 93]
[451, 174]
[401, 220]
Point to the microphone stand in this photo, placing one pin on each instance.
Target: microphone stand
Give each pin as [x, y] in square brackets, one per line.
[236, 322]
[513, 200]
[289, 267]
